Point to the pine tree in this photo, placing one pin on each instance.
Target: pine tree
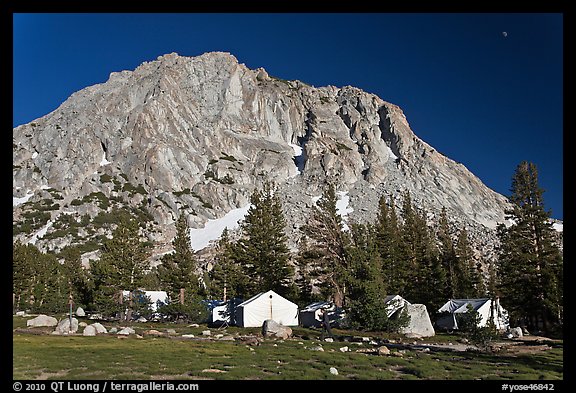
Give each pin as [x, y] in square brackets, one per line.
[38, 283]
[76, 277]
[225, 276]
[420, 251]
[530, 263]
[448, 257]
[122, 266]
[388, 241]
[327, 243]
[262, 250]
[367, 288]
[469, 272]
[178, 269]
[24, 257]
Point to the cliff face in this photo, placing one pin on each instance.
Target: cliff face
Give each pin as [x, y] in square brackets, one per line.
[199, 134]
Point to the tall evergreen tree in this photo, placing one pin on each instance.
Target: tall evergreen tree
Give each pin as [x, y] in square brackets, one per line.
[421, 253]
[225, 276]
[327, 243]
[262, 249]
[309, 288]
[469, 271]
[530, 263]
[38, 282]
[122, 266]
[76, 277]
[448, 257]
[388, 241]
[367, 285]
[178, 270]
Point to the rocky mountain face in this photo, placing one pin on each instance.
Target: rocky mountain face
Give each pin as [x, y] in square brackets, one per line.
[197, 135]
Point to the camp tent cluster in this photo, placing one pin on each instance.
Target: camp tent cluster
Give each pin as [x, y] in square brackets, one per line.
[270, 305]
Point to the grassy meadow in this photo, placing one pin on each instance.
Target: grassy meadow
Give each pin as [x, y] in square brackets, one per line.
[40, 355]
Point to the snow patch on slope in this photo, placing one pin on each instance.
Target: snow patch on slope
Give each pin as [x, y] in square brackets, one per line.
[19, 201]
[201, 237]
[299, 158]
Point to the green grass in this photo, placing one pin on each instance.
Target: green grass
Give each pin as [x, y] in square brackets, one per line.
[173, 357]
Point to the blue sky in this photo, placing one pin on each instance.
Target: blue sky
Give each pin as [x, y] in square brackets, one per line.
[484, 98]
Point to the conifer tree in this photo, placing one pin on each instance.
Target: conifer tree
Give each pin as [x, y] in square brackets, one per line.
[38, 283]
[262, 250]
[530, 263]
[367, 287]
[178, 269]
[76, 278]
[327, 243]
[225, 276]
[469, 272]
[122, 266]
[448, 257]
[420, 251]
[388, 241]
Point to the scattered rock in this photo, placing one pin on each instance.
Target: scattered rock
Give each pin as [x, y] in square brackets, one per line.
[383, 350]
[64, 326]
[89, 331]
[126, 331]
[317, 348]
[153, 332]
[206, 333]
[344, 349]
[271, 328]
[100, 329]
[213, 370]
[80, 312]
[516, 332]
[333, 371]
[42, 320]
[249, 340]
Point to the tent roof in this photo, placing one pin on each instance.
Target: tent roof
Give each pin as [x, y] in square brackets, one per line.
[264, 294]
[316, 306]
[461, 305]
[389, 298]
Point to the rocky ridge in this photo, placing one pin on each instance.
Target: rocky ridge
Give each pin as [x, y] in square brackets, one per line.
[197, 135]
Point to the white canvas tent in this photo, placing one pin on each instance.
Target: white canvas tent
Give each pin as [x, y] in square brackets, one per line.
[266, 305]
[420, 324]
[223, 312]
[310, 315]
[486, 307]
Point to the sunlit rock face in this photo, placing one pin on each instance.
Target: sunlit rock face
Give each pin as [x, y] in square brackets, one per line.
[197, 135]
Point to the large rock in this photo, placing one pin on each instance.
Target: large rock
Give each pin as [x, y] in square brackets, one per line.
[89, 330]
[64, 326]
[271, 328]
[42, 320]
[420, 324]
[100, 329]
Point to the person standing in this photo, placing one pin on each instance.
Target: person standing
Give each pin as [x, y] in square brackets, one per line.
[325, 321]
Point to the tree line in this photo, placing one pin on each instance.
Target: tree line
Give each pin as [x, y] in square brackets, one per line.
[401, 252]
